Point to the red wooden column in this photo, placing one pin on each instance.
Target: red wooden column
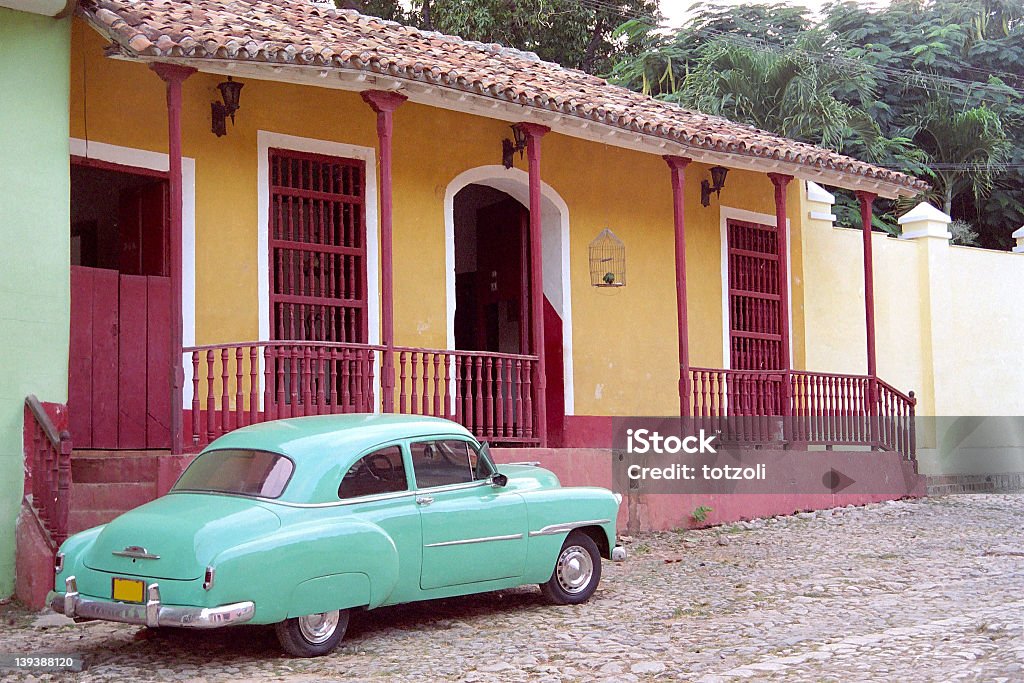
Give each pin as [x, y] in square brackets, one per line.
[174, 75]
[534, 132]
[678, 167]
[384, 103]
[781, 181]
[866, 199]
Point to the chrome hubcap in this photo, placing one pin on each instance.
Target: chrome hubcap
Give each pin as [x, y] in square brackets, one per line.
[317, 628]
[575, 569]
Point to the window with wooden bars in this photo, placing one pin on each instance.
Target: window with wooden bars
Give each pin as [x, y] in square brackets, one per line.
[755, 316]
[317, 247]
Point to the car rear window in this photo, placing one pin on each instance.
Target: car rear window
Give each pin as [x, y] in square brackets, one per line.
[239, 471]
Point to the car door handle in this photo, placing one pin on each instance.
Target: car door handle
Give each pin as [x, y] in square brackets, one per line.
[424, 500]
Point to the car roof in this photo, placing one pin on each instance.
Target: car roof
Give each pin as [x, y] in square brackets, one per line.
[307, 438]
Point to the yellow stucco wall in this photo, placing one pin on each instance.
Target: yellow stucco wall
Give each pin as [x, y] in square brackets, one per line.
[833, 297]
[984, 331]
[624, 340]
[943, 329]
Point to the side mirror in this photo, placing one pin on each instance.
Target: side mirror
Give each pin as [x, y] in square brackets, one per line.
[498, 480]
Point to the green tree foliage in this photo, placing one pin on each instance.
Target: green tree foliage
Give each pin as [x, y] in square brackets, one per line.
[575, 33]
[934, 88]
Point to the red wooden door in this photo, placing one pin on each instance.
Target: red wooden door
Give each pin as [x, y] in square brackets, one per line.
[141, 225]
[503, 277]
[502, 294]
[119, 366]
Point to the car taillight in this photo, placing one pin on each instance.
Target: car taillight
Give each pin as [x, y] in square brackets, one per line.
[208, 579]
[58, 563]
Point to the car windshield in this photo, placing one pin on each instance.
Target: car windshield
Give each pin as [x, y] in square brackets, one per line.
[239, 471]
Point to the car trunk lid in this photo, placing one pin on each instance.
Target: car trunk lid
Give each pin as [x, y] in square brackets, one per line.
[177, 536]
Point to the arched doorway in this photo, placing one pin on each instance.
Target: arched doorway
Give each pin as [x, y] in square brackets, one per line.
[488, 253]
[492, 304]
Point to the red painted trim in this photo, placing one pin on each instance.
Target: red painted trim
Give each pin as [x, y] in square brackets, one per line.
[587, 431]
[678, 168]
[384, 104]
[534, 133]
[174, 75]
[120, 168]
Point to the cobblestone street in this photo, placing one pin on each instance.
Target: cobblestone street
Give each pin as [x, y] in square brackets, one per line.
[929, 590]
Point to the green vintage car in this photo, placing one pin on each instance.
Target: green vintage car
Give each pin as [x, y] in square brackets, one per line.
[298, 522]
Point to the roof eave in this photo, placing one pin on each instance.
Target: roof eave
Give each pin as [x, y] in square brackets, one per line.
[492, 106]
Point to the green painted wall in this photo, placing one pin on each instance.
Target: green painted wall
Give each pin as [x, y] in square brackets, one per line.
[34, 243]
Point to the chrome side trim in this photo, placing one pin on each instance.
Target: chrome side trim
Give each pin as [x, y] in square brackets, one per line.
[152, 613]
[527, 463]
[485, 539]
[136, 552]
[361, 499]
[348, 501]
[455, 487]
[334, 503]
[564, 527]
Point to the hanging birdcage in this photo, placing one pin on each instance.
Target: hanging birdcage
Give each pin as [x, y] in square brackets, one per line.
[607, 260]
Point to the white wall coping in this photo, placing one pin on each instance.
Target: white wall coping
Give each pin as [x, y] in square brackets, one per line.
[924, 212]
[817, 193]
[822, 216]
[924, 220]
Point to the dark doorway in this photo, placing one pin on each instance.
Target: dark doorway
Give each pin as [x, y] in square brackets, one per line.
[119, 365]
[492, 289]
[492, 304]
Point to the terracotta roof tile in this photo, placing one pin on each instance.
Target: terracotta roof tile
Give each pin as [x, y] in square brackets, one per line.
[302, 33]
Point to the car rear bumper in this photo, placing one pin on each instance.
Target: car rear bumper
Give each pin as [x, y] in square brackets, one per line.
[153, 613]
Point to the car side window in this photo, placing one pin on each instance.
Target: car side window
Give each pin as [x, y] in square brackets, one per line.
[379, 472]
[446, 461]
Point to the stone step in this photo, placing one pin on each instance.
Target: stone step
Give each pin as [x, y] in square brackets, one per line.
[95, 467]
[111, 496]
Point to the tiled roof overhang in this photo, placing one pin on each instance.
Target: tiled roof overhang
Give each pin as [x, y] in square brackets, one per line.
[298, 41]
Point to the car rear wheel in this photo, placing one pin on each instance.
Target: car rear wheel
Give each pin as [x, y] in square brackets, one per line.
[577, 571]
[313, 635]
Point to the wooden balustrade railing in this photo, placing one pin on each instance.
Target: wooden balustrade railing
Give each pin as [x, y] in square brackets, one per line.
[897, 427]
[234, 385]
[796, 406]
[237, 384]
[49, 459]
[491, 394]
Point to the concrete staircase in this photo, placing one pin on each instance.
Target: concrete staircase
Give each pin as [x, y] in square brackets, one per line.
[106, 484]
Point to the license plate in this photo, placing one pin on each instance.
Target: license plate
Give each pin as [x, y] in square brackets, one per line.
[128, 590]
